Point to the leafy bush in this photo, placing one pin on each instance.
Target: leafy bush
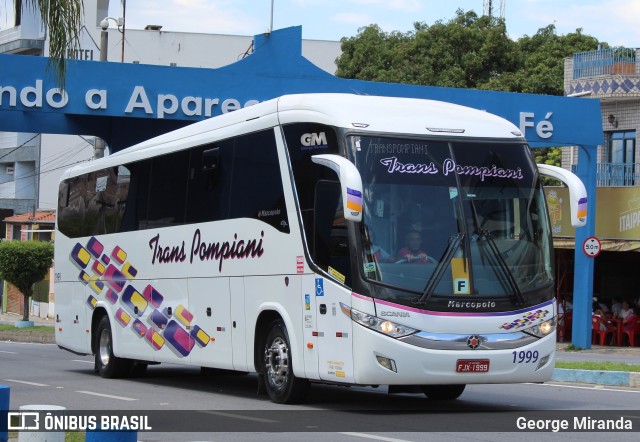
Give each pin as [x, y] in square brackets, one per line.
[23, 263]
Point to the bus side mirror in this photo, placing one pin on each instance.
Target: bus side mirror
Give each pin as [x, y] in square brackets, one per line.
[577, 192]
[350, 183]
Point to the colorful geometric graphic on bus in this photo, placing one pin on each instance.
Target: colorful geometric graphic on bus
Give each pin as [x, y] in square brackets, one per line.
[80, 256]
[122, 317]
[110, 273]
[178, 338]
[183, 315]
[139, 328]
[115, 278]
[95, 284]
[92, 302]
[528, 319]
[98, 268]
[154, 297]
[354, 200]
[119, 255]
[132, 298]
[158, 319]
[84, 277]
[154, 338]
[111, 296]
[95, 247]
[200, 336]
[129, 271]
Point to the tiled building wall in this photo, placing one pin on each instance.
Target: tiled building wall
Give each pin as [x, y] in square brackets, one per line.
[568, 73]
[625, 110]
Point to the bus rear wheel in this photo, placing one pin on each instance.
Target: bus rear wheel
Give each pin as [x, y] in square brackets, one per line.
[443, 392]
[279, 381]
[107, 364]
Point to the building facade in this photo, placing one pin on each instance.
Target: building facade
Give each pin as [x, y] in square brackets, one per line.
[611, 75]
[31, 164]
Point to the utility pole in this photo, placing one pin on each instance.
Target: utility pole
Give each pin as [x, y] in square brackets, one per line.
[99, 144]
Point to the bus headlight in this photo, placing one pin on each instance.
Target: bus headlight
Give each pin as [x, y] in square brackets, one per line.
[383, 326]
[543, 329]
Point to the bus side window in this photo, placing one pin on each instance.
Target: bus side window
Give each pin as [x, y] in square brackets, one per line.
[256, 187]
[210, 160]
[71, 210]
[210, 169]
[168, 190]
[134, 201]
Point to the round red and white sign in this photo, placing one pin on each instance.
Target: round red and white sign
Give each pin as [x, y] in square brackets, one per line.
[591, 246]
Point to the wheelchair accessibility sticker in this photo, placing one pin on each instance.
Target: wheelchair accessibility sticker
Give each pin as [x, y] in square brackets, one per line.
[319, 287]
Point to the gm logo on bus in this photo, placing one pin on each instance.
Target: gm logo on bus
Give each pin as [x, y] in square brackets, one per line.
[314, 141]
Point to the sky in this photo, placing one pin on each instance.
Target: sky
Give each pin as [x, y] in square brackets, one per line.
[613, 21]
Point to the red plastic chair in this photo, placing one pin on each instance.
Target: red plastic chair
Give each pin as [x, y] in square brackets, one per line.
[596, 322]
[631, 334]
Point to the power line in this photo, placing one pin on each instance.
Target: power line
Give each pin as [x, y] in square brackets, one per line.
[13, 150]
[63, 158]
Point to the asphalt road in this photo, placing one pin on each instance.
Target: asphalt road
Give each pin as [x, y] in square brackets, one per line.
[228, 408]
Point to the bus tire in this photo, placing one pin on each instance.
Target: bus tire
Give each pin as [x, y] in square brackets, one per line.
[443, 392]
[107, 364]
[279, 381]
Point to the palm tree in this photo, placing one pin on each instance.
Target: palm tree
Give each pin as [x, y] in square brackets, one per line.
[63, 20]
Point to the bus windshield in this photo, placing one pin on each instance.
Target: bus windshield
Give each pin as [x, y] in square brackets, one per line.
[452, 224]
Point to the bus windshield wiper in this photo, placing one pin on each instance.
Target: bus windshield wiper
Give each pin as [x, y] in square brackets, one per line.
[440, 268]
[513, 284]
[483, 233]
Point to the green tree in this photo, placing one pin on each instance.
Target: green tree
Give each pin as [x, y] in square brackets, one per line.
[464, 52]
[63, 21]
[467, 52]
[540, 66]
[23, 263]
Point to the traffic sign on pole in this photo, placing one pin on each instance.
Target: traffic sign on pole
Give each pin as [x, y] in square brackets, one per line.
[591, 246]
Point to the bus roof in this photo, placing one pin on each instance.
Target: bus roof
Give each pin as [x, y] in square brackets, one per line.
[364, 113]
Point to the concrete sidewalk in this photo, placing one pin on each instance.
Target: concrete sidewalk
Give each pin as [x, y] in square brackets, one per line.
[12, 318]
[625, 355]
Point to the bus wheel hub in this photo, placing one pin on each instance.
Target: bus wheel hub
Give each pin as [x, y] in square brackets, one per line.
[277, 362]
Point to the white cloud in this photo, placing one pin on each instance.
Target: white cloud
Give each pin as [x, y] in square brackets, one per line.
[613, 21]
[353, 18]
[196, 16]
[401, 5]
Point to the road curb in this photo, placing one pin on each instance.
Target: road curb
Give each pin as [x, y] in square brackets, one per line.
[28, 336]
[616, 378]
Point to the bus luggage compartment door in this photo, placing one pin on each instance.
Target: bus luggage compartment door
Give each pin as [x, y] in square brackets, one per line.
[209, 301]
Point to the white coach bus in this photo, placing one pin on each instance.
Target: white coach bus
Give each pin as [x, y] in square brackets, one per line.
[333, 238]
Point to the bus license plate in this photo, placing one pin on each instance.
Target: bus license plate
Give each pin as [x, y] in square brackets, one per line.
[472, 365]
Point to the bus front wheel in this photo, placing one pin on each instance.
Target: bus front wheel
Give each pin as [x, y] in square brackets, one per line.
[443, 392]
[281, 384]
[107, 364]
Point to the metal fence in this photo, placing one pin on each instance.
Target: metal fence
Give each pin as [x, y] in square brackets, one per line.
[612, 61]
[616, 174]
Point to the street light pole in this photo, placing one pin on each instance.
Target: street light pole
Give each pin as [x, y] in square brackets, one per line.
[99, 145]
[104, 44]
[124, 19]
